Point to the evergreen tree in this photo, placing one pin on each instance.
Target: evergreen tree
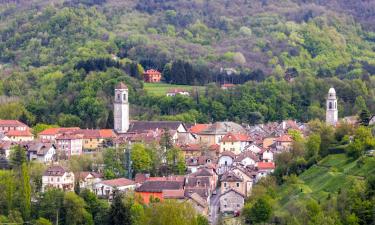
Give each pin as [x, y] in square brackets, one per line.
[364, 117]
[120, 211]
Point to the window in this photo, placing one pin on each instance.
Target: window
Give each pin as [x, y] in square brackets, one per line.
[335, 106]
[238, 184]
[330, 105]
[238, 205]
[225, 206]
[58, 179]
[118, 97]
[232, 143]
[225, 184]
[124, 97]
[226, 163]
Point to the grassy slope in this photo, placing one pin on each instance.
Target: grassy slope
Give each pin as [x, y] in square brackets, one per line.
[331, 174]
[162, 88]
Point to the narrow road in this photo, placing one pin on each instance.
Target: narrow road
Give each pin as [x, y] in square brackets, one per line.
[214, 207]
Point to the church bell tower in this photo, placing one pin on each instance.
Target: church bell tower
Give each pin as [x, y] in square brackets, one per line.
[121, 109]
[331, 112]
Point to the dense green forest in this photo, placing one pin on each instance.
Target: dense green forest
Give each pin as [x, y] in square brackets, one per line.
[59, 60]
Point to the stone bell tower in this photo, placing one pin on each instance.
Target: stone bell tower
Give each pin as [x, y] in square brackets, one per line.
[121, 108]
[331, 112]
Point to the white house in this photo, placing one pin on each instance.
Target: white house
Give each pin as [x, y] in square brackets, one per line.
[266, 155]
[254, 148]
[58, 177]
[177, 91]
[88, 180]
[235, 143]
[247, 158]
[225, 161]
[105, 188]
[42, 152]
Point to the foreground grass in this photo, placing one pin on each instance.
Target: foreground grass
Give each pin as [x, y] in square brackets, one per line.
[163, 88]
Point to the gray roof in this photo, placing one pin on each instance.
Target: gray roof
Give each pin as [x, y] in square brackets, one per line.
[54, 171]
[222, 128]
[159, 186]
[143, 126]
[230, 176]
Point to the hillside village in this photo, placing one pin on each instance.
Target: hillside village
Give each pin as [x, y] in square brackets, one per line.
[223, 160]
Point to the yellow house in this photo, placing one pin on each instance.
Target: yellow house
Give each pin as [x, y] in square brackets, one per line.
[215, 132]
[94, 139]
[235, 143]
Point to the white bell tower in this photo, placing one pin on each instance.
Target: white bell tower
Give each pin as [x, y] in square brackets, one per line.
[121, 109]
[331, 112]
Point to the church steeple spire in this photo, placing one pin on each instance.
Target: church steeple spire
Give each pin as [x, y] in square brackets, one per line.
[331, 111]
[121, 108]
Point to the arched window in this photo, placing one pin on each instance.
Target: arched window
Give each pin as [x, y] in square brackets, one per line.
[330, 105]
[118, 97]
[335, 106]
[124, 97]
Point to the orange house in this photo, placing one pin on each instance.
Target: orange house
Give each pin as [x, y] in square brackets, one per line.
[152, 76]
[154, 189]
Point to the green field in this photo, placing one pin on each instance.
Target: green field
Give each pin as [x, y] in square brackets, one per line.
[163, 88]
[326, 178]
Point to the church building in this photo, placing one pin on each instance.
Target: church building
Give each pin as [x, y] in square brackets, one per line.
[127, 129]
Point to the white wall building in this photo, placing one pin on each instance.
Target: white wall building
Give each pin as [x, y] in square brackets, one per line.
[121, 109]
[58, 177]
[331, 112]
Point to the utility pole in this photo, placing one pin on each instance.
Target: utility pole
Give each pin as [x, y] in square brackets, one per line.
[128, 164]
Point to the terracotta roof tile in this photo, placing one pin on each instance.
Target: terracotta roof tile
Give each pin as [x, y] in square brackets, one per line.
[120, 182]
[58, 130]
[198, 128]
[284, 138]
[265, 165]
[19, 133]
[12, 123]
[121, 85]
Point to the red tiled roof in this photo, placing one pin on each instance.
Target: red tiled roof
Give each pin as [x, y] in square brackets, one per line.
[58, 130]
[191, 147]
[198, 128]
[12, 123]
[120, 182]
[228, 153]
[152, 72]
[107, 133]
[230, 137]
[121, 85]
[228, 85]
[214, 147]
[265, 165]
[284, 138]
[173, 194]
[70, 136]
[19, 133]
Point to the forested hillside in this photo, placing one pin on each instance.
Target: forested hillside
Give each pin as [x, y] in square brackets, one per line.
[59, 60]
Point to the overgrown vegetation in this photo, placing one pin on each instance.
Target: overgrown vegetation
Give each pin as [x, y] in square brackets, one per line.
[60, 61]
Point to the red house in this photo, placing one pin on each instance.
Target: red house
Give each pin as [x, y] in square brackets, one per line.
[152, 76]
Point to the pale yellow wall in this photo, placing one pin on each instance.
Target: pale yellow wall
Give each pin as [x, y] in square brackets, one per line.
[234, 147]
[92, 143]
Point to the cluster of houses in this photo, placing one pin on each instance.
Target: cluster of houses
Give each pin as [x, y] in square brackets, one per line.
[223, 159]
